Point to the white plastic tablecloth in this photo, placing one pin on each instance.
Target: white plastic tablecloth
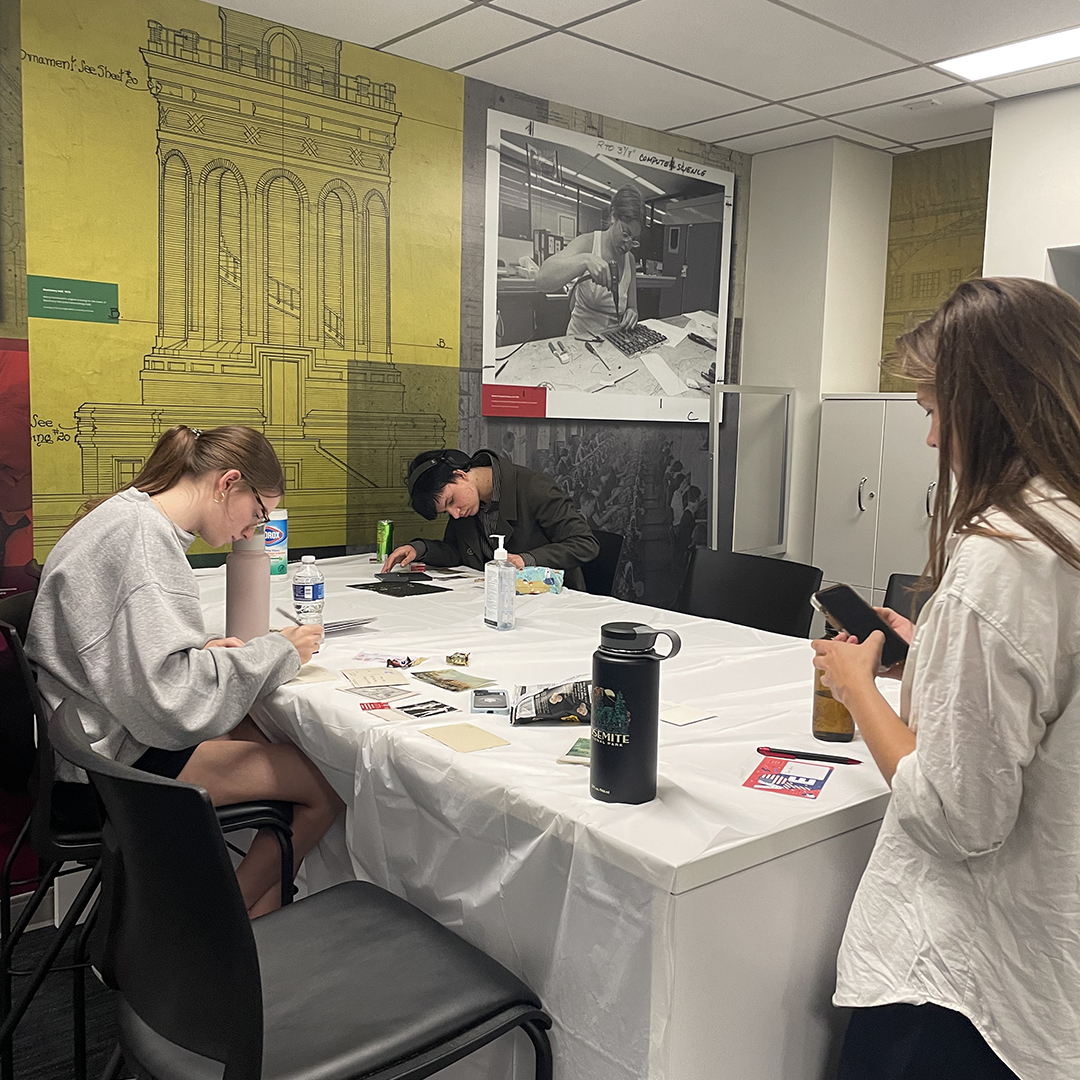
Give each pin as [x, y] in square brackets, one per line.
[506, 846]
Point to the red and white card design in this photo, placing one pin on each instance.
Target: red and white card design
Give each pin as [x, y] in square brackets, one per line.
[789, 777]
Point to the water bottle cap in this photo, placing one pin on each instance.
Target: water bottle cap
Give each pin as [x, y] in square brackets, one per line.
[307, 558]
[256, 543]
[634, 637]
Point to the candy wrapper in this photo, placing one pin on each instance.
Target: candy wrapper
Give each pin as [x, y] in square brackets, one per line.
[567, 703]
[538, 579]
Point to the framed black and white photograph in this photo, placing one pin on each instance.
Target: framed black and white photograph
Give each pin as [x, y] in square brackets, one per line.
[606, 277]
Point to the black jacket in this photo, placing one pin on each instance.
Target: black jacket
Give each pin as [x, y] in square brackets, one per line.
[538, 520]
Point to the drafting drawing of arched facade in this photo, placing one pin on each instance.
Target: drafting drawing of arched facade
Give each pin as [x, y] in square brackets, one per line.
[274, 268]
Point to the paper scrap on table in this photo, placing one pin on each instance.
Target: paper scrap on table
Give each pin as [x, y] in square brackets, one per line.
[453, 680]
[388, 659]
[674, 334]
[658, 368]
[681, 715]
[788, 777]
[702, 320]
[464, 737]
[376, 676]
[312, 673]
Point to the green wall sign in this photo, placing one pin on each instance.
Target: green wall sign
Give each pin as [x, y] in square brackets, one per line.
[66, 298]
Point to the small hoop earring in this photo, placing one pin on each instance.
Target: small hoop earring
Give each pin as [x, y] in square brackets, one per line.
[222, 499]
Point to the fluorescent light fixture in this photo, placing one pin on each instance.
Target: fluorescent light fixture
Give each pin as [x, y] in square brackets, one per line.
[1019, 56]
[626, 172]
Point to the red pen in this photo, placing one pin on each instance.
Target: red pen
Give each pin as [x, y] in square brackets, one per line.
[806, 755]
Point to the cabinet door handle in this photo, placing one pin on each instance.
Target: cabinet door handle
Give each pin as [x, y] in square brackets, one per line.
[929, 495]
[862, 483]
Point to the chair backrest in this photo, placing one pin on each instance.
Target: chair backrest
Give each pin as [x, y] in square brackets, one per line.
[600, 573]
[904, 595]
[173, 936]
[752, 590]
[17, 749]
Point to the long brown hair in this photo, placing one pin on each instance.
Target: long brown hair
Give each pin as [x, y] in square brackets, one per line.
[1002, 356]
[188, 452]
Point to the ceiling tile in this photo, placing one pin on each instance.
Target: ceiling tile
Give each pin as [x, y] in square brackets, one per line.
[810, 131]
[959, 111]
[555, 12]
[366, 22]
[969, 137]
[575, 72]
[1032, 82]
[465, 37]
[932, 30]
[901, 84]
[753, 45]
[744, 123]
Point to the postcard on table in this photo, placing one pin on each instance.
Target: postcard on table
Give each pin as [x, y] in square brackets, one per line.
[421, 710]
[450, 679]
[578, 754]
[464, 737]
[375, 676]
[312, 673]
[788, 777]
[379, 693]
[681, 715]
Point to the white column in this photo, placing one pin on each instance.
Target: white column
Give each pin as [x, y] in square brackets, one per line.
[1034, 198]
[815, 290]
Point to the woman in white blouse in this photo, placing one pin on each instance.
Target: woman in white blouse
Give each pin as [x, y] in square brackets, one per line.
[961, 955]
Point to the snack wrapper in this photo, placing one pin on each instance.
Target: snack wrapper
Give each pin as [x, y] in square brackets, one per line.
[567, 703]
[538, 579]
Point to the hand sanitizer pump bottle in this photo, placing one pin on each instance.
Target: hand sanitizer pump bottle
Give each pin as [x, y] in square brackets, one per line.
[500, 582]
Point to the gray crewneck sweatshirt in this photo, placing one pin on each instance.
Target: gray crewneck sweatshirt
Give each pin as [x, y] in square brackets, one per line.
[118, 628]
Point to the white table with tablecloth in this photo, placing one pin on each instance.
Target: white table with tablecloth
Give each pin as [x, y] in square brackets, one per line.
[689, 938]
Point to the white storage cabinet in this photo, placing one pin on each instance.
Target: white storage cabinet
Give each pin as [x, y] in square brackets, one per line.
[875, 490]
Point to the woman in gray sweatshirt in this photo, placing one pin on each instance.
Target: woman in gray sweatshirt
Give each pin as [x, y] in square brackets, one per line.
[118, 629]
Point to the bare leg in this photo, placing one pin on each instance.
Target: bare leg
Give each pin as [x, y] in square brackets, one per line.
[242, 766]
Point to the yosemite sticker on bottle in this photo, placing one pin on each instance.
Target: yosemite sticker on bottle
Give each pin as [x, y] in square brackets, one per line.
[610, 717]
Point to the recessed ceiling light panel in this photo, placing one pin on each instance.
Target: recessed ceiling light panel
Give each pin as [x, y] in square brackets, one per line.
[1019, 56]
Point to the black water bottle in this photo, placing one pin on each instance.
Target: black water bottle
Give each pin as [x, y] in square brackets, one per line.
[625, 712]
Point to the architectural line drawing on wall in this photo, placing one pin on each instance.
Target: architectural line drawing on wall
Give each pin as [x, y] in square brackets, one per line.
[274, 174]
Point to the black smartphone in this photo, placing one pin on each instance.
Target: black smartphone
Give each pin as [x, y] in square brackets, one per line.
[848, 611]
[403, 575]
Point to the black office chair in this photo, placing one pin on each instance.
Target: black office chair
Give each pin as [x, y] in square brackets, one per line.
[64, 827]
[752, 590]
[907, 594]
[600, 573]
[350, 983]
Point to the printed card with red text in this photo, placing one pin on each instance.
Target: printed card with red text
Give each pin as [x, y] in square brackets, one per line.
[789, 777]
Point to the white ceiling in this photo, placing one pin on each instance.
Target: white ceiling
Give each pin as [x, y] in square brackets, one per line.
[753, 75]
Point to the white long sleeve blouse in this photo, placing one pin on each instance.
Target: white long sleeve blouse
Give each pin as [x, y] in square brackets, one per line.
[971, 899]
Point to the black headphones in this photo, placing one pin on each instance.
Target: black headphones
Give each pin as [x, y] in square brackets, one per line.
[456, 458]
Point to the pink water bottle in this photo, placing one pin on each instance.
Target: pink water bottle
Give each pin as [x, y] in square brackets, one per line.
[247, 589]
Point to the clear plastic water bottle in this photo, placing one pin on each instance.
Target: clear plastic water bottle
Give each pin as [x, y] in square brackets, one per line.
[308, 591]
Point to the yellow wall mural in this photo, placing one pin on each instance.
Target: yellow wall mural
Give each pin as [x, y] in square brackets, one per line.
[937, 225]
[281, 215]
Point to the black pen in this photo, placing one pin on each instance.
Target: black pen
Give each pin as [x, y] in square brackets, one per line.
[806, 755]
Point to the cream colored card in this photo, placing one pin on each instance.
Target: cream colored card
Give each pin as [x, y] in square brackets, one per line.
[312, 673]
[464, 737]
[681, 715]
[377, 676]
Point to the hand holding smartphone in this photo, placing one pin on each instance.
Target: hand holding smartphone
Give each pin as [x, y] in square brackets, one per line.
[848, 611]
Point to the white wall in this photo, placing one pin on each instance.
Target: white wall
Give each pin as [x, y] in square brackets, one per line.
[1034, 197]
[815, 291]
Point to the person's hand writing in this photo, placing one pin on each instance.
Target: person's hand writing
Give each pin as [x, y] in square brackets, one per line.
[405, 554]
[305, 639]
[848, 668]
[224, 643]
